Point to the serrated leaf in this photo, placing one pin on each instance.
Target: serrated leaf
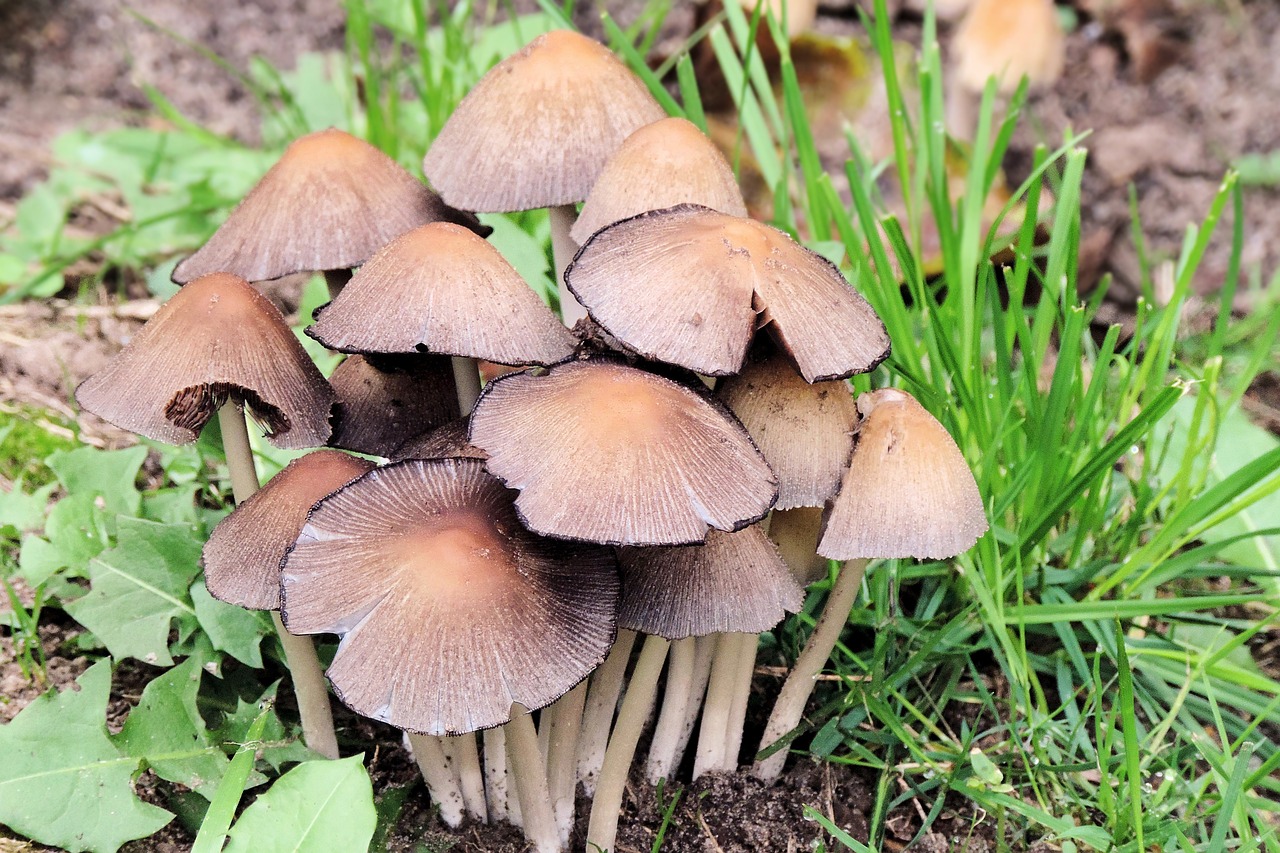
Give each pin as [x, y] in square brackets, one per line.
[139, 588]
[319, 805]
[278, 747]
[166, 730]
[76, 530]
[231, 629]
[110, 474]
[62, 781]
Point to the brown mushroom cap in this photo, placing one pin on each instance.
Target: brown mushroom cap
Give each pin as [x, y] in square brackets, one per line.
[734, 582]
[908, 491]
[804, 431]
[383, 404]
[243, 554]
[690, 286]
[538, 128]
[1009, 39]
[450, 610]
[659, 166]
[329, 203]
[444, 442]
[612, 454]
[442, 289]
[216, 339]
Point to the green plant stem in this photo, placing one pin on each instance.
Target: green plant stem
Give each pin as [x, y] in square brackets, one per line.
[602, 829]
[466, 378]
[796, 690]
[528, 773]
[602, 701]
[675, 699]
[299, 652]
[437, 772]
[461, 751]
[562, 251]
[562, 756]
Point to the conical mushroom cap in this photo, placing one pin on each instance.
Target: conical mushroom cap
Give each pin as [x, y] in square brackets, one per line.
[450, 610]
[382, 405]
[1009, 39]
[804, 431]
[442, 289]
[908, 491]
[538, 128]
[734, 582]
[216, 339]
[637, 459]
[690, 286]
[329, 203]
[661, 165]
[243, 554]
[444, 442]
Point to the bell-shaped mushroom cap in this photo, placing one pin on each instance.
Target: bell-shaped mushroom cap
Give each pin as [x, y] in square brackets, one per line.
[450, 610]
[804, 431]
[243, 554]
[442, 289]
[612, 454]
[690, 286]
[908, 491]
[216, 339]
[444, 442]
[538, 128]
[381, 405]
[329, 203]
[1009, 39]
[735, 582]
[661, 165]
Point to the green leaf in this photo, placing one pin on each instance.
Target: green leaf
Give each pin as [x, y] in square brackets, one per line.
[139, 588]
[222, 807]
[231, 629]
[21, 512]
[110, 474]
[76, 532]
[62, 781]
[277, 746]
[319, 805]
[166, 730]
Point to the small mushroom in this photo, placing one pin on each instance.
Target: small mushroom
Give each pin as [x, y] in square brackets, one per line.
[384, 401]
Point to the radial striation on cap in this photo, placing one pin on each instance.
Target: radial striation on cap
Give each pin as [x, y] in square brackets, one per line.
[690, 286]
[538, 128]
[661, 165]
[384, 402]
[908, 491]
[217, 339]
[243, 554]
[735, 582]
[805, 431]
[450, 610]
[637, 459]
[444, 442]
[442, 289]
[329, 203]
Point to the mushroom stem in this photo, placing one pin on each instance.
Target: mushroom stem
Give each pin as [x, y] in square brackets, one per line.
[602, 700]
[703, 651]
[715, 712]
[466, 377]
[741, 687]
[562, 757]
[531, 782]
[789, 707]
[442, 782]
[563, 248]
[675, 700]
[602, 829]
[796, 533]
[335, 280]
[299, 652]
[495, 773]
[461, 750]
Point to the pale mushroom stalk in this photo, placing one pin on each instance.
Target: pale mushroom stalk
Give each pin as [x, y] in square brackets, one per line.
[563, 248]
[442, 782]
[602, 701]
[466, 376]
[299, 652]
[748, 644]
[603, 827]
[461, 752]
[715, 710]
[527, 771]
[495, 775]
[796, 690]
[703, 651]
[562, 755]
[676, 698]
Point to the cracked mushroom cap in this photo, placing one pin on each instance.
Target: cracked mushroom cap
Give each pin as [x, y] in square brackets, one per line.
[606, 453]
[217, 339]
[1009, 39]
[804, 431]
[908, 491]
[691, 286]
[661, 165]
[384, 402]
[442, 289]
[537, 130]
[242, 557]
[328, 203]
[449, 610]
[733, 582]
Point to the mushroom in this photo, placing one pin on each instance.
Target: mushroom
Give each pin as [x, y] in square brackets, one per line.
[908, 493]
[384, 401]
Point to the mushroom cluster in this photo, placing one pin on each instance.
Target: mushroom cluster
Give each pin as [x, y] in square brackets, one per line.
[521, 534]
